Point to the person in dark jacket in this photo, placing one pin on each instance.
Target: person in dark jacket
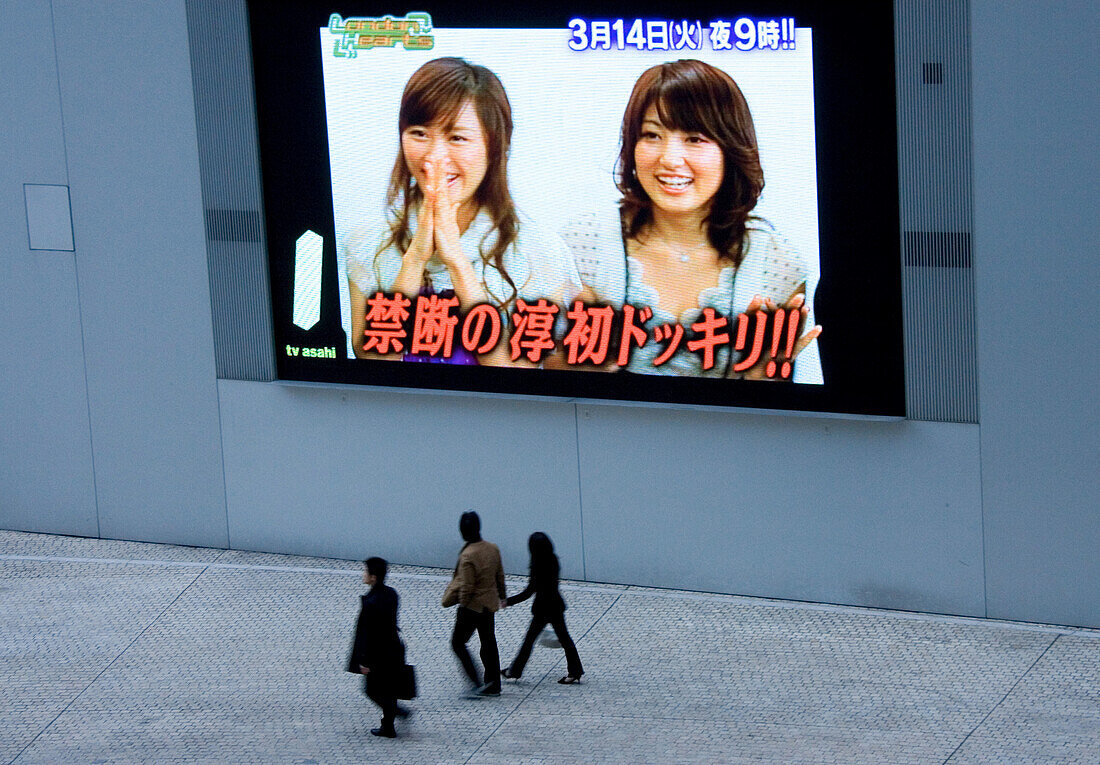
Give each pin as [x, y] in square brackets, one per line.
[548, 608]
[378, 653]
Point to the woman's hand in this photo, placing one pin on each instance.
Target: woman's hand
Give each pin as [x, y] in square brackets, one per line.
[411, 275]
[445, 213]
[446, 238]
[364, 670]
[798, 311]
[420, 249]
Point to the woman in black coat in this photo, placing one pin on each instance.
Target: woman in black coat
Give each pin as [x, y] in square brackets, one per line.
[548, 608]
[378, 652]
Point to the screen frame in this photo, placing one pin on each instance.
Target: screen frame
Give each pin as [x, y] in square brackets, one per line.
[857, 298]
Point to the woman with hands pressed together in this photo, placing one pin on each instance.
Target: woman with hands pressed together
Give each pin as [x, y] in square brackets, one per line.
[684, 238]
[453, 229]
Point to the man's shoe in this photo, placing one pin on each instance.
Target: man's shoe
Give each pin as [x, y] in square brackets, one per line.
[384, 732]
[403, 711]
[489, 690]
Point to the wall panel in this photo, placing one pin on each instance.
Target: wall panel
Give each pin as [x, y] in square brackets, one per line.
[352, 472]
[144, 295]
[46, 475]
[864, 513]
[1036, 96]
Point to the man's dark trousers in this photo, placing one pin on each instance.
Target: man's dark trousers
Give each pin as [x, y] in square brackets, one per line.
[484, 622]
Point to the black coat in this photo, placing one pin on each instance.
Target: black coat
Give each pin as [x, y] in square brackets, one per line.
[543, 584]
[377, 645]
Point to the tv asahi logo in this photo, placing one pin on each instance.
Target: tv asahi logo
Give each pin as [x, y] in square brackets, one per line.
[413, 32]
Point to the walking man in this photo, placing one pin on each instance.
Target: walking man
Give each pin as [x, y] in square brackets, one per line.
[477, 588]
[377, 652]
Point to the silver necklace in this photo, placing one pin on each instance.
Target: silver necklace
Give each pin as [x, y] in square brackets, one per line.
[684, 256]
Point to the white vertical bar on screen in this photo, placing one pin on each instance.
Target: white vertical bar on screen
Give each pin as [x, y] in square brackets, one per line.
[307, 279]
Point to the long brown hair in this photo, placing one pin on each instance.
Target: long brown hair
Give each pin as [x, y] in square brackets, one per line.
[695, 97]
[436, 92]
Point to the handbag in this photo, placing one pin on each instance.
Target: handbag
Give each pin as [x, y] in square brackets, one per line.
[406, 682]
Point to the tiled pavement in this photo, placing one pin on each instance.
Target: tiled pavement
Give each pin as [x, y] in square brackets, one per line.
[120, 652]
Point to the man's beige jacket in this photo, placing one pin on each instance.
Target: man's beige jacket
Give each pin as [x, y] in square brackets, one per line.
[478, 583]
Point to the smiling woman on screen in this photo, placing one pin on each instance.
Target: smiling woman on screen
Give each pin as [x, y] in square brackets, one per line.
[684, 238]
[452, 228]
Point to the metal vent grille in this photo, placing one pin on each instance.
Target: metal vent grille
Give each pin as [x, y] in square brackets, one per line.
[221, 70]
[934, 163]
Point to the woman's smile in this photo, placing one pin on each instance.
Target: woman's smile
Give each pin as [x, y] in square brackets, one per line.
[674, 184]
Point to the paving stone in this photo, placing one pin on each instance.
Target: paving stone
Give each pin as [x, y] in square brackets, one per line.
[1052, 715]
[25, 543]
[163, 654]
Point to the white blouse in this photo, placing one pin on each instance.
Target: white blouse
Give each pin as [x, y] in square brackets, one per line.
[771, 268]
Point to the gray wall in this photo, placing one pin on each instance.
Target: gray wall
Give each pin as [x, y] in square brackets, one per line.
[1036, 96]
[114, 422]
[114, 357]
[46, 476]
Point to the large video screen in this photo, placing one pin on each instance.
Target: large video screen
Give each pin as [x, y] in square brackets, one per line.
[691, 203]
